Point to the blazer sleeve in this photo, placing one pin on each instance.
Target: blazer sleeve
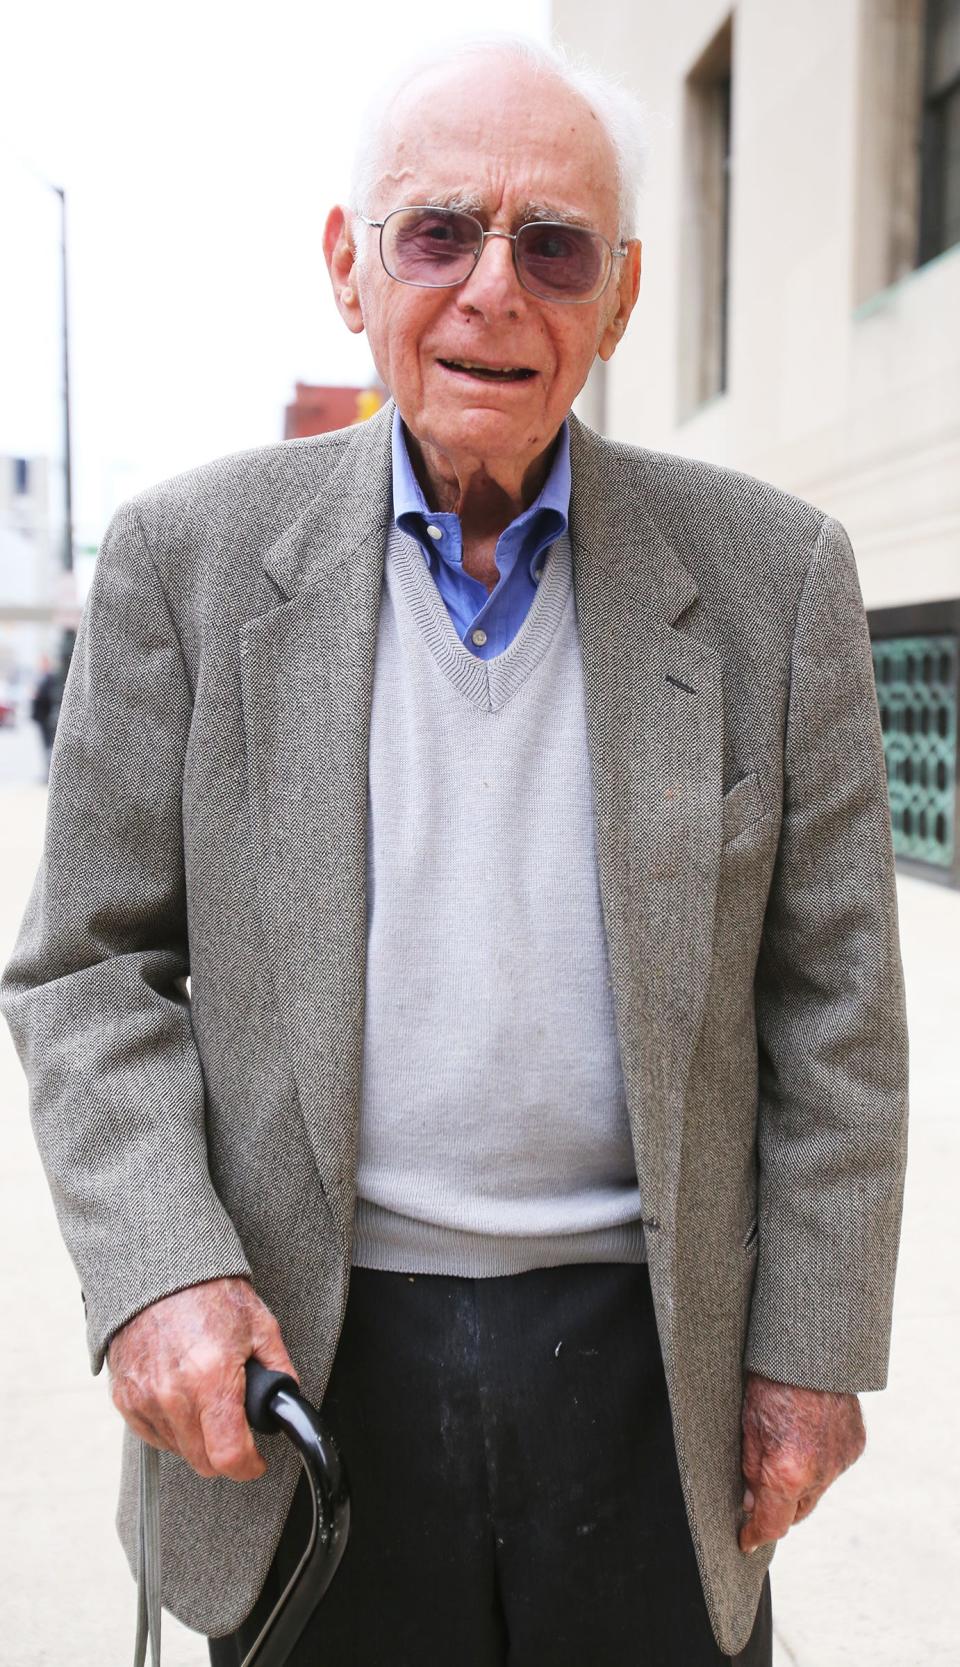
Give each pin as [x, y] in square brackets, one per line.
[95, 993]
[831, 1140]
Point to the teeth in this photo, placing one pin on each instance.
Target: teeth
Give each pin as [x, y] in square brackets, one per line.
[487, 370]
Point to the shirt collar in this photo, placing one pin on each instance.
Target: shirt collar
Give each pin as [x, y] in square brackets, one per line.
[412, 514]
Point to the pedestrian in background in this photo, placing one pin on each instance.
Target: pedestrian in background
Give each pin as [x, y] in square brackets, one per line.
[44, 711]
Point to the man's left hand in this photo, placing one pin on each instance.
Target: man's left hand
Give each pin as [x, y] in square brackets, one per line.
[795, 1443]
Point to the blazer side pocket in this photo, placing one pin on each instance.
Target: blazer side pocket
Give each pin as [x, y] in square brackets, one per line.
[742, 806]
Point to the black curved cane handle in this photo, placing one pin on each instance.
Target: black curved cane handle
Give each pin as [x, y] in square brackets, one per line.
[261, 1385]
[274, 1403]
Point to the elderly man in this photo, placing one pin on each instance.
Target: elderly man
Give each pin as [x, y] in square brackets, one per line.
[515, 803]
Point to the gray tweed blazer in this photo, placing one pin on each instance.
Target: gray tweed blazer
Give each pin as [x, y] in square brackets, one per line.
[207, 818]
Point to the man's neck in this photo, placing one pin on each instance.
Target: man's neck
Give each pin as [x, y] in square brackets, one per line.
[485, 497]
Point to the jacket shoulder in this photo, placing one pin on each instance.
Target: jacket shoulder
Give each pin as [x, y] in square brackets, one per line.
[207, 530]
[264, 483]
[706, 500]
[747, 544]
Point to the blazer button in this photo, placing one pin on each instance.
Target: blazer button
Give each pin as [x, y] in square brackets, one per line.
[651, 1223]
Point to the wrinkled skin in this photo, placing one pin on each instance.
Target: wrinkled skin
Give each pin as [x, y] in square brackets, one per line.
[482, 449]
[178, 1380]
[795, 1443]
[177, 1374]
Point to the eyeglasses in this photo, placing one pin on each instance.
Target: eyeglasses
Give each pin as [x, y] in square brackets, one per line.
[437, 248]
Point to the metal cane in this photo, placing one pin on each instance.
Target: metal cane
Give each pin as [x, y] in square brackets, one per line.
[274, 1402]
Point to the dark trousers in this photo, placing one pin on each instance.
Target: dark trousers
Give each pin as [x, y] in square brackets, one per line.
[515, 1494]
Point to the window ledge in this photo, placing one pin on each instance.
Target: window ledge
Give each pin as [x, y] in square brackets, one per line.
[884, 298]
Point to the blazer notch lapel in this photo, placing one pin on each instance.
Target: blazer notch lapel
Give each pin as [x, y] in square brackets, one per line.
[352, 506]
[307, 681]
[655, 718]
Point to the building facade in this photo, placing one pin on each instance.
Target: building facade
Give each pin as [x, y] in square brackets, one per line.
[317, 409]
[32, 589]
[799, 315]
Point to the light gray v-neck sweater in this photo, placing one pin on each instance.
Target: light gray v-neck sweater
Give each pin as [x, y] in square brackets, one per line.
[494, 1134]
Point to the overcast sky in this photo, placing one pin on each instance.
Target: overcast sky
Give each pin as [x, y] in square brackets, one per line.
[201, 146]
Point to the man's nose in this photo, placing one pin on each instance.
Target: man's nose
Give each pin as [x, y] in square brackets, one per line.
[493, 286]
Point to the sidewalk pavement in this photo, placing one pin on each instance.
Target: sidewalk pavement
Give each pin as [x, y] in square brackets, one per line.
[869, 1581]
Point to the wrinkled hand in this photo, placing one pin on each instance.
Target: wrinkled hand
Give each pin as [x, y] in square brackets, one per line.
[177, 1372]
[795, 1443]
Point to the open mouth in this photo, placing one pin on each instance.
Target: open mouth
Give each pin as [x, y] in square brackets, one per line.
[488, 373]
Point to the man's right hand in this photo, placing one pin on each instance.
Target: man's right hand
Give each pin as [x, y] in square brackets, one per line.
[177, 1374]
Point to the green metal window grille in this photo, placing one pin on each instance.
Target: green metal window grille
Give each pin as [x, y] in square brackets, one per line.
[917, 692]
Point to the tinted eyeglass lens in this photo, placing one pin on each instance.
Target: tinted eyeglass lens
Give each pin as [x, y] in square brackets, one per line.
[562, 263]
[432, 247]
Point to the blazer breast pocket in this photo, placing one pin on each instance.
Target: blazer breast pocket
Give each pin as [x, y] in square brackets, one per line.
[743, 807]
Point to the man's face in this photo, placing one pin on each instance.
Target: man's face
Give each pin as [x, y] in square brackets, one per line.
[523, 147]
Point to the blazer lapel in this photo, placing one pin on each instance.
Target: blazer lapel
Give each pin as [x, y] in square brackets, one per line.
[307, 678]
[655, 716]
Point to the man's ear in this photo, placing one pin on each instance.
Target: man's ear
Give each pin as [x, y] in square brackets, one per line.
[628, 288]
[341, 258]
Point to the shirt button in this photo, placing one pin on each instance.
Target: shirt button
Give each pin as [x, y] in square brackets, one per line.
[435, 532]
[538, 574]
[478, 637]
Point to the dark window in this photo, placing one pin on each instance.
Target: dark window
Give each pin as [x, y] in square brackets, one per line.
[724, 100]
[705, 256]
[940, 187]
[21, 476]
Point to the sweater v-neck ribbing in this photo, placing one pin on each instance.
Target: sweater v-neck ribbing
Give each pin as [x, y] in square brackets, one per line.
[487, 684]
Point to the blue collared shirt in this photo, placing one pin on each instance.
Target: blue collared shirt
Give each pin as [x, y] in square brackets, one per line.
[486, 624]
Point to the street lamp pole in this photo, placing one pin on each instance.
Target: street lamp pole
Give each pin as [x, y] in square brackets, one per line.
[67, 552]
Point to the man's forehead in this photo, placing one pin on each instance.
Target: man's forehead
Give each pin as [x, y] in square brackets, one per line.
[533, 139]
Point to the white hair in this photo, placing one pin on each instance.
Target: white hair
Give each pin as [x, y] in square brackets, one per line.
[620, 113]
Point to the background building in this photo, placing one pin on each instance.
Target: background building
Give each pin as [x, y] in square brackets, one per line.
[800, 309]
[37, 602]
[317, 410]
[32, 596]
